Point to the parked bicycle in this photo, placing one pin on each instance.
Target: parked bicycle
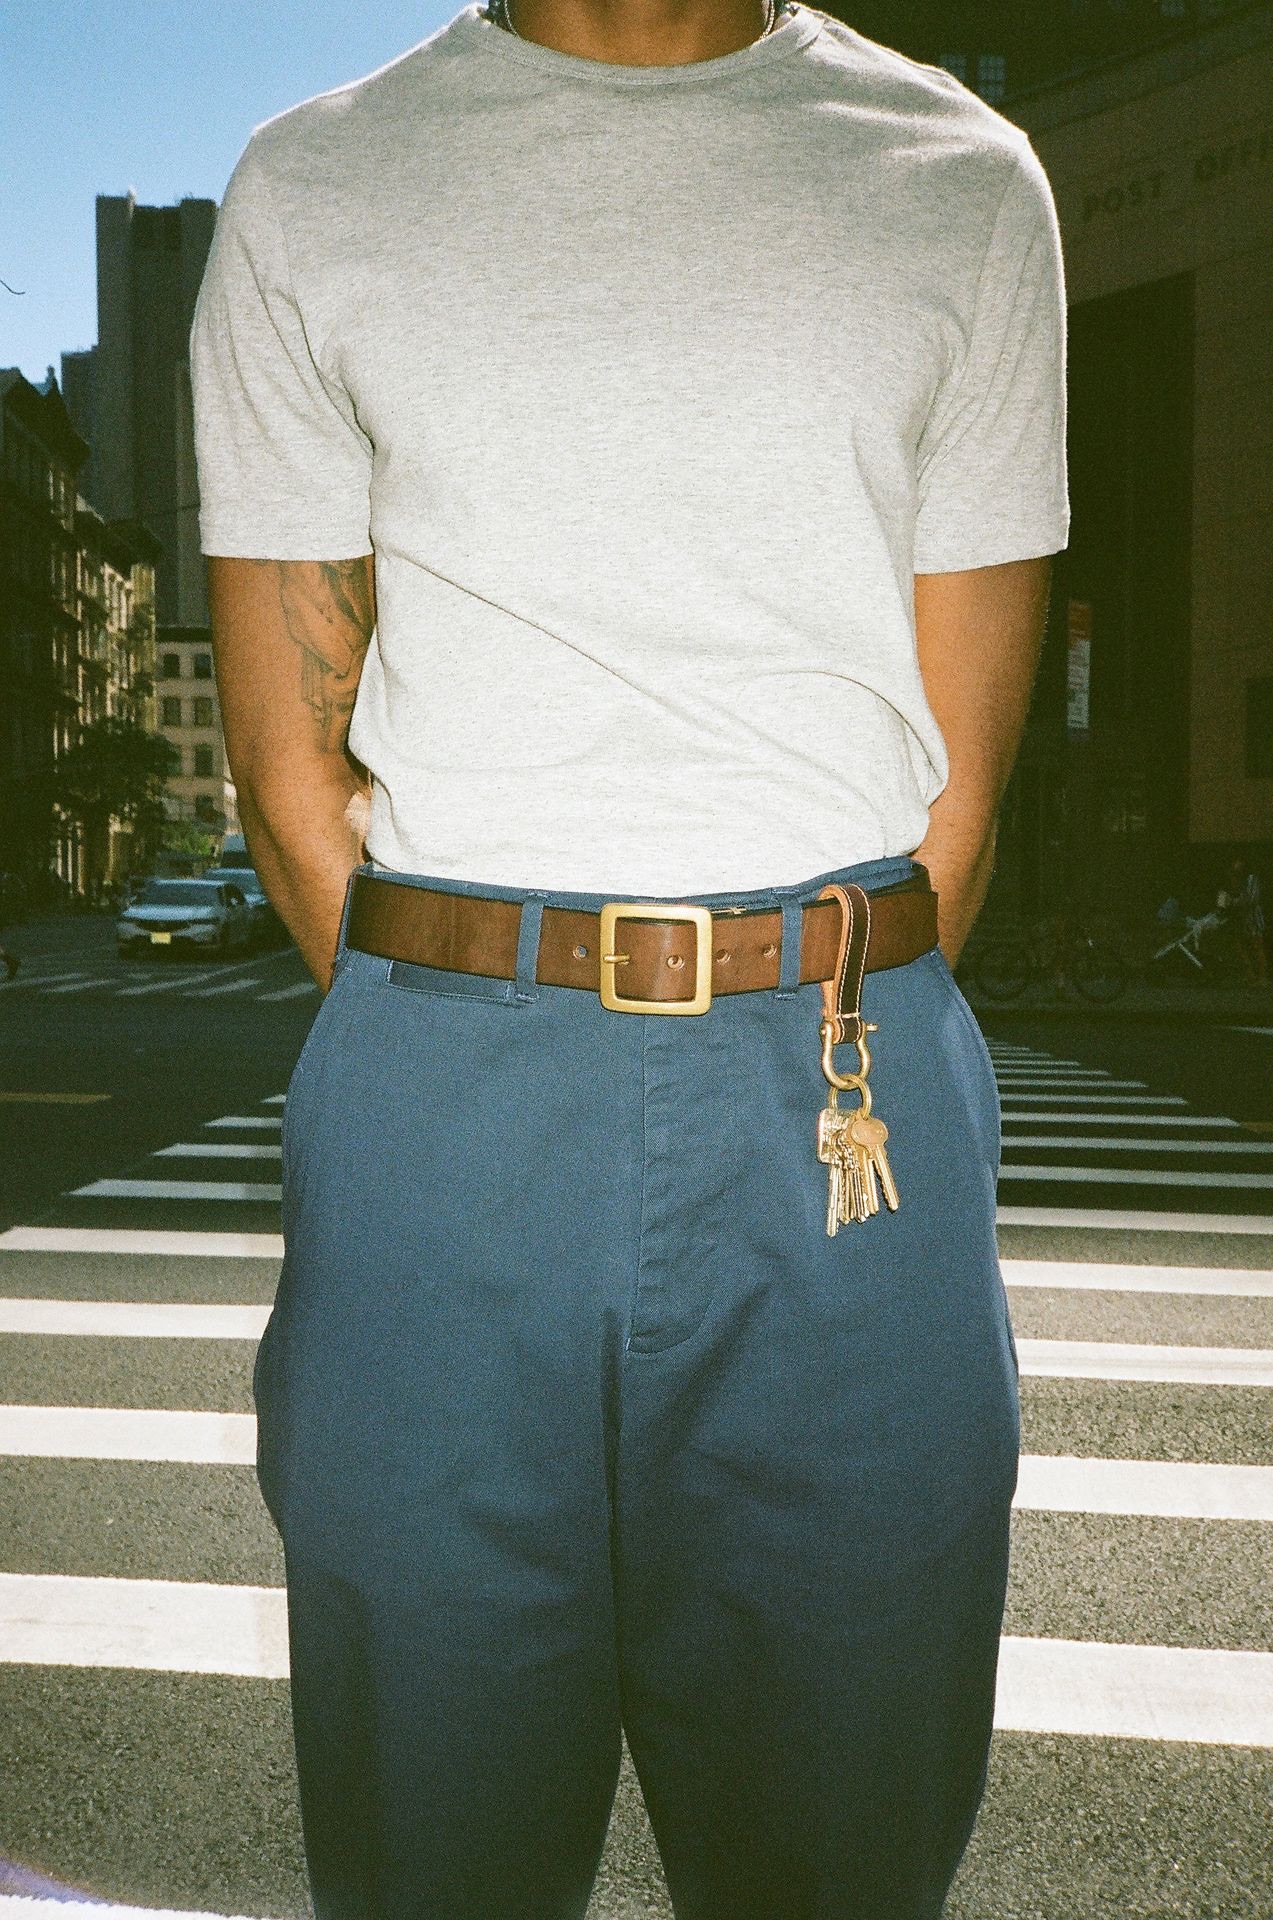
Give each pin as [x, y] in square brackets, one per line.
[1058, 950]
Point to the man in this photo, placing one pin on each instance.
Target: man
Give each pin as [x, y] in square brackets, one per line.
[631, 442]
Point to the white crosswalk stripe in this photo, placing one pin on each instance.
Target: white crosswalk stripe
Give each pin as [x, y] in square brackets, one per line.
[179, 979]
[1071, 1128]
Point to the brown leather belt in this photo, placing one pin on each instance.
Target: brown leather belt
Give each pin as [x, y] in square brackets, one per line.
[640, 956]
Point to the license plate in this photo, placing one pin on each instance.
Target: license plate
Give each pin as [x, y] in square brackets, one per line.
[161, 939]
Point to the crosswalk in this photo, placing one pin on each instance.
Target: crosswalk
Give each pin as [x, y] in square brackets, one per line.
[259, 977]
[1141, 1296]
[1138, 1157]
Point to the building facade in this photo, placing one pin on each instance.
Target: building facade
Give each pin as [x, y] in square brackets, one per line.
[189, 716]
[130, 394]
[1149, 754]
[1000, 48]
[40, 456]
[116, 562]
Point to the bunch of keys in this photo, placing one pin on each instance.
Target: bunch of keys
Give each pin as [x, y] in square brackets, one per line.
[852, 1144]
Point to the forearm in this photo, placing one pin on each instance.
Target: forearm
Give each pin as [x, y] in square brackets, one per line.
[959, 853]
[305, 843]
[979, 635]
[289, 640]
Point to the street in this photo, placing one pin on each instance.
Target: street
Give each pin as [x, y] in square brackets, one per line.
[146, 1744]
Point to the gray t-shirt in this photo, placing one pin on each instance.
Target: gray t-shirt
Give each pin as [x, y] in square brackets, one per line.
[650, 388]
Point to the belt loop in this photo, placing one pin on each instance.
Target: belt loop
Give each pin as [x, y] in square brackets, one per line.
[792, 934]
[526, 987]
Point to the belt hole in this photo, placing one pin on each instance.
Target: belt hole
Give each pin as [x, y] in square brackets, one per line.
[581, 953]
[770, 951]
[724, 953]
[676, 960]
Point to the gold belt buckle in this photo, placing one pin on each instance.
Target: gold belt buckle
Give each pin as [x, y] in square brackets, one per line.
[699, 918]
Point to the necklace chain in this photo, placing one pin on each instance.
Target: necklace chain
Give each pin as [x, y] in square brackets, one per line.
[501, 11]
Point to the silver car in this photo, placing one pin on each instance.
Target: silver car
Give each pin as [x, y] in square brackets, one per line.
[205, 916]
[267, 928]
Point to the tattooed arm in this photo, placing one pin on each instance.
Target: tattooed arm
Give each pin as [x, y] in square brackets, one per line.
[289, 638]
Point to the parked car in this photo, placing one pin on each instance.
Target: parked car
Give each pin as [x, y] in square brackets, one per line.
[267, 929]
[207, 916]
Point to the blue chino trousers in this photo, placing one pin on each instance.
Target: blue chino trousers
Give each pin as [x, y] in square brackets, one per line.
[574, 1419]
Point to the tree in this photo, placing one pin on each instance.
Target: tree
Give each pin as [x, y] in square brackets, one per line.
[116, 770]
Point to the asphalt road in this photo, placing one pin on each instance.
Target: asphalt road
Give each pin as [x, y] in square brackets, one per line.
[1132, 1771]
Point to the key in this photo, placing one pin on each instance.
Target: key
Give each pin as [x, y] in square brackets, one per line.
[832, 1131]
[868, 1133]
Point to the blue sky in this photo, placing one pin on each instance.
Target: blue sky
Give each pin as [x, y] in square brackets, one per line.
[97, 96]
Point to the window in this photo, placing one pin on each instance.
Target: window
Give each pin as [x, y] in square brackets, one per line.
[203, 666]
[172, 666]
[203, 761]
[1259, 727]
[956, 63]
[203, 712]
[172, 712]
[205, 807]
[992, 77]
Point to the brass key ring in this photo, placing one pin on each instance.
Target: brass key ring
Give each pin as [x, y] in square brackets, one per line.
[848, 1081]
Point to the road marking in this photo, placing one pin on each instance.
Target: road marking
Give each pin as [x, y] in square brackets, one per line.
[1052, 1359]
[227, 986]
[149, 1240]
[1101, 1100]
[1122, 1360]
[29, 979]
[1135, 1222]
[228, 1150]
[1018, 1116]
[1046, 1484]
[1100, 1144]
[1207, 1696]
[290, 993]
[1134, 1176]
[84, 986]
[1210, 1696]
[55, 1099]
[175, 1190]
[246, 1120]
[165, 986]
[1162, 1489]
[128, 1319]
[1240, 1283]
[1264, 1030]
[128, 1433]
[15, 1906]
[1075, 1087]
[273, 1099]
[168, 1626]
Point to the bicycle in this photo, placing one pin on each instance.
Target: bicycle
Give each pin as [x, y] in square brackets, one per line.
[1052, 950]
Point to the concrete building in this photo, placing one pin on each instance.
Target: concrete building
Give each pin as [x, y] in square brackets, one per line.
[130, 394]
[1150, 748]
[40, 456]
[190, 717]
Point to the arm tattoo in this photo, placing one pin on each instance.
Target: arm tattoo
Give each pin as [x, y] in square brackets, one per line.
[330, 610]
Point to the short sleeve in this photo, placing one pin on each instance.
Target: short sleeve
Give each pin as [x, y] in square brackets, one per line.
[991, 469]
[284, 467]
